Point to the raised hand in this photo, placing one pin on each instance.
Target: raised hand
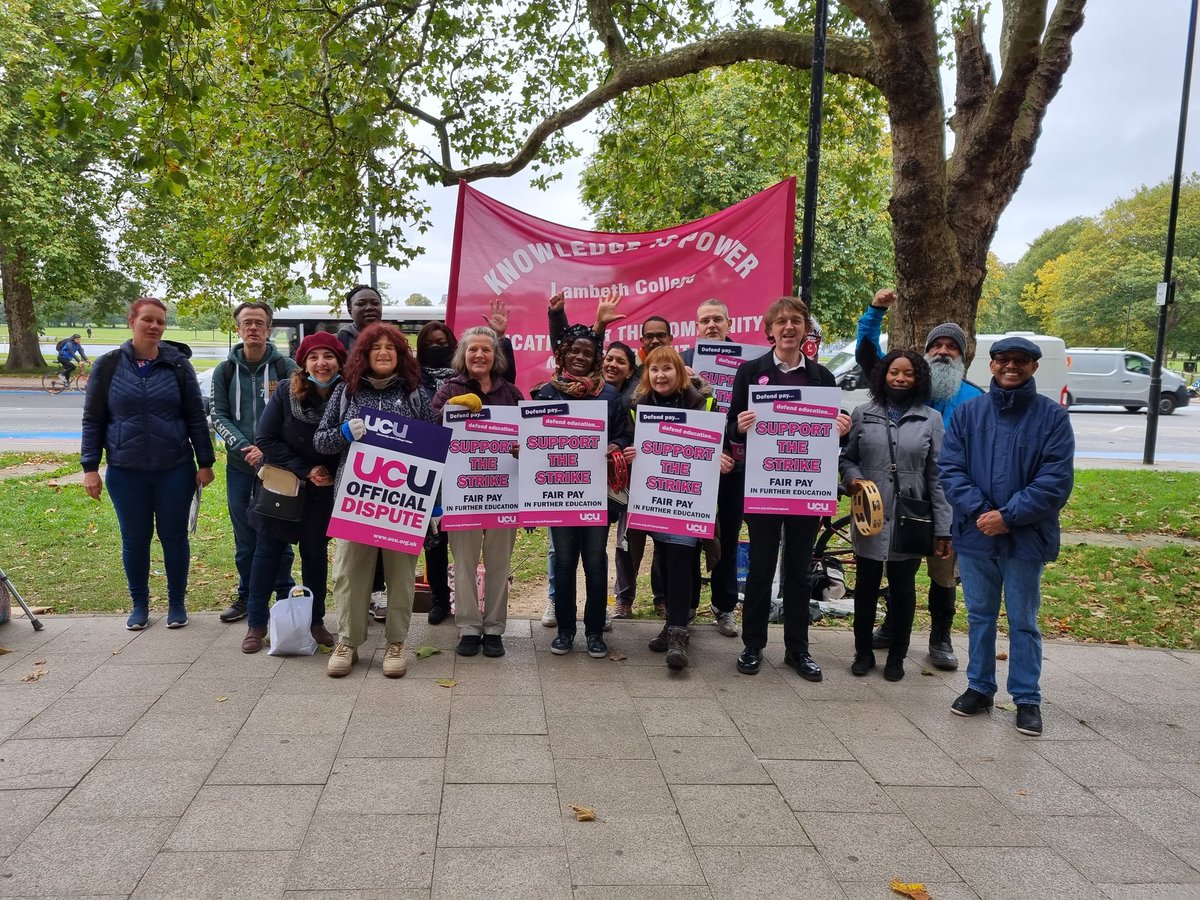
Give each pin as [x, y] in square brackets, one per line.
[497, 318]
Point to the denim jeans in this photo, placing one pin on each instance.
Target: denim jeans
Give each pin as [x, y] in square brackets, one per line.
[1020, 581]
[239, 486]
[268, 553]
[572, 543]
[146, 502]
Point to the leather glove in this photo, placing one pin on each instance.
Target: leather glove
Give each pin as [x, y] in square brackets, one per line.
[354, 429]
[470, 401]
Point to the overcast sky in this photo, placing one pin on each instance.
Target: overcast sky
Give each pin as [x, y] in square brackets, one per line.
[1111, 129]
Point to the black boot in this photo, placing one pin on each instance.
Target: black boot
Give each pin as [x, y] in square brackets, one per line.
[941, 614]
[660, 641]
[438, 613]
[677, 641]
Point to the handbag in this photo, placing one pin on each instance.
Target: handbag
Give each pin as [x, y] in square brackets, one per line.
[280, 494]
[912, 519]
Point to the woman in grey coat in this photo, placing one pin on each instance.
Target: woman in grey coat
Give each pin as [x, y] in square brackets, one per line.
[897, 414]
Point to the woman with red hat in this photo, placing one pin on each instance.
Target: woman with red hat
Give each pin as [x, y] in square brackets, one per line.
[285, 437]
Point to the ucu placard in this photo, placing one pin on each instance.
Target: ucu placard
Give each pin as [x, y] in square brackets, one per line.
[673, 482]
[389, 482]
[564, 477]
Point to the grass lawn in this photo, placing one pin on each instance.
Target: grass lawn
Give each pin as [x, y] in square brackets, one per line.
[63, 550]
[118, 334]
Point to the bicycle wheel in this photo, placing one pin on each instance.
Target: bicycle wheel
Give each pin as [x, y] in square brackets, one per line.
[81, 381]
[53, 384]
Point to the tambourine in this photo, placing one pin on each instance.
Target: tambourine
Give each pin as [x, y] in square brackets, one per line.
[866, 506]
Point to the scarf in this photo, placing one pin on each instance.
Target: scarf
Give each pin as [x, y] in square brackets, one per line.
[579, 387]
[381, 384]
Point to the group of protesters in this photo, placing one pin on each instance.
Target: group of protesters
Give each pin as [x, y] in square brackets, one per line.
[994, 466]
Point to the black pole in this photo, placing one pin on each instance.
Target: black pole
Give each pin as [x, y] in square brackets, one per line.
[371, 203]
[813, 165]
[1168, 286]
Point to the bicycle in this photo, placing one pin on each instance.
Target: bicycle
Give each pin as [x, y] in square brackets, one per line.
[57, 383]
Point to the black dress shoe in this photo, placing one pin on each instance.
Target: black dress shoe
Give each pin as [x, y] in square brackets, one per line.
[468, 645]
[493, 645]
[863, 663]
[1029, 719]
[804, 666]
[750, 661]
[439, 613]
[970, 702]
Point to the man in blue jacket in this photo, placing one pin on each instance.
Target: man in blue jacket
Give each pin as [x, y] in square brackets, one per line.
[946, 352]
[1007, 467]
[242, 385]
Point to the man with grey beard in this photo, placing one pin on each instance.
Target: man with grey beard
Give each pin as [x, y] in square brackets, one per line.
[945, 351]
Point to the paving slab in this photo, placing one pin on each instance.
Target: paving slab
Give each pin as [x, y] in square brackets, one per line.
[168, 763]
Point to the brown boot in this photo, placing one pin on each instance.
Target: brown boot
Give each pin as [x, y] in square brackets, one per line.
[659, 643]
[677, 641]
[253, 640]
[322, 636]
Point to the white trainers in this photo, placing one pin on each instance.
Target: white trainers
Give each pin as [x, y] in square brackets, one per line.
[341, 660]
[395, 664]
[379, 605]
[549, 618]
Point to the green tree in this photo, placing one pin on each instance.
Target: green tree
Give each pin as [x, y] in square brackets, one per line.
[1009, 313]
[1100, 291]
[323, 112]
[415, 299]
[675, 152]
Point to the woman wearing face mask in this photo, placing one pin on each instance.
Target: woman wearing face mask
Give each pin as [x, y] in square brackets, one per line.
[381, 373]
[285, 437]
[897, 415]
[577, 377]
[665, 383]
[478, 381]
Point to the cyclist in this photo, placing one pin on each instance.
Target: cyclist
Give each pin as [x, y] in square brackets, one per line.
[67, 351]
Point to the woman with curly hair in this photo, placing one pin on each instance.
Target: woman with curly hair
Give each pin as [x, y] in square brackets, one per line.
[381, 373]
[895, 437]
[577, 377]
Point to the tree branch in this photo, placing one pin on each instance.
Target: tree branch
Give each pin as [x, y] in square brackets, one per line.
[605, 25]
[844, 56]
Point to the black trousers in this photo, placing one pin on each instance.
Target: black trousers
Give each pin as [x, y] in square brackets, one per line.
[799, 533]
[679, 561]
[730, 497]
[902, 602]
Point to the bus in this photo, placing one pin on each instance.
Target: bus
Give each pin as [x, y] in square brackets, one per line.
[293, 323]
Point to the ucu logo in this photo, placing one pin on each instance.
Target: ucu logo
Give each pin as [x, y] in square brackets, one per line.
[384, 427]
[506, 520]
[394, 473]
[695, 528]
[590, 517]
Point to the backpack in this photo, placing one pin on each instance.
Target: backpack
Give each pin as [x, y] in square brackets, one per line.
[58, 347]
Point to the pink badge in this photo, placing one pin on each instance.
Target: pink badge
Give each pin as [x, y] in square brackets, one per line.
[763, 379]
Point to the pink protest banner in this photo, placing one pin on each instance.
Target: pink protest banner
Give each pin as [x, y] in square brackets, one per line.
[792, 450]
[480, 488]
[387, 486]
[673, 484]
[741, 255]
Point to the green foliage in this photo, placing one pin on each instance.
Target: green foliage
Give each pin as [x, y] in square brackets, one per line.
[1099, 289]
[415, 299]
[686, 149]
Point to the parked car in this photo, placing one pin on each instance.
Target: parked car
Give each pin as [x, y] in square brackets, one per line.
[1051, 377]
[1111, 376]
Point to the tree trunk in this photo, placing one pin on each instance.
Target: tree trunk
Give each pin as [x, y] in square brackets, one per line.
[23, 349]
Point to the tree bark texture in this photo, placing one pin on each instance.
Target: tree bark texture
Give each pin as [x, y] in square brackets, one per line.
[23, 349]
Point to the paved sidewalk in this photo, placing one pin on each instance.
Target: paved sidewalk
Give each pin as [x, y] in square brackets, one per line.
[169, 763]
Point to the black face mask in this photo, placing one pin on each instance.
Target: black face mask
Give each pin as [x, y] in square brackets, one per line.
[900, 397]
[437, 356]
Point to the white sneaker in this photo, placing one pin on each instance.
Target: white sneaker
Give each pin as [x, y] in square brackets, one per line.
[607, 620]
[549, 619]
[379, 605]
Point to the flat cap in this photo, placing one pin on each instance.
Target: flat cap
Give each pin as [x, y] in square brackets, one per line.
[1016, 345]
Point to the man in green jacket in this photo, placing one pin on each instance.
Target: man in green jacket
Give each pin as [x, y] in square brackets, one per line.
[242, 385]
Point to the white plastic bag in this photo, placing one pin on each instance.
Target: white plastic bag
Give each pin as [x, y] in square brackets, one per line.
[291, 624]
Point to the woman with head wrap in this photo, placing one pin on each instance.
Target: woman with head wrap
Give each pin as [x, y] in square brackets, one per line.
[577, 377]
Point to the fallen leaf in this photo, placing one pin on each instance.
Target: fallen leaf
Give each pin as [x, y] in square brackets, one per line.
[915, 890]
[582, 813]
[4, 650]
[447, 682]
[321, 648]
[117, 652]
[425, 651]
[222, 699]
[1001, 655]
[925, 671]
[1022, 793]
[35, 675]
[616, 656]
[39, 662]
[1010, 707]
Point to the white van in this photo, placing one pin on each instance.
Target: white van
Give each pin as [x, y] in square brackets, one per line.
[1051, 377]
[1111, 376]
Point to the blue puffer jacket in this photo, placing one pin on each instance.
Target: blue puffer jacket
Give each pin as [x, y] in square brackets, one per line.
[1013, 451]
[146, 421]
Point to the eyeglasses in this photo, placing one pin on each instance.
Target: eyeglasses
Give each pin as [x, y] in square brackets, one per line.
[1016, 362]
[253, 325]
[652, 337]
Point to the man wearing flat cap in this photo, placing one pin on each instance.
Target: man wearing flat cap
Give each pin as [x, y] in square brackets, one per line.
[946, 353]
[1007, 467]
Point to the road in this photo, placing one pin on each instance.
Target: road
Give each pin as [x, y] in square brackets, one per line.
[33, 420]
